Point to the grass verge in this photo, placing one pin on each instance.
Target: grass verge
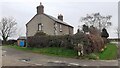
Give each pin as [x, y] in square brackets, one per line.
[110, 53]
[53, 51]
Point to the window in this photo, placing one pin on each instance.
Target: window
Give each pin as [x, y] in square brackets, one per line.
[40, 27]
[56, 32]
[60, 28]
[55, 28]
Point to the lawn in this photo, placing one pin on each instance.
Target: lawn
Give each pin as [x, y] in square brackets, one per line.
[109, 53]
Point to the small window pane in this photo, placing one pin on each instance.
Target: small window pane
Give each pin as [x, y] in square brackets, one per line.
[40, 26]
[60, 28]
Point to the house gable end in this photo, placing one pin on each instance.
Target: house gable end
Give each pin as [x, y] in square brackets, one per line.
[31, 19]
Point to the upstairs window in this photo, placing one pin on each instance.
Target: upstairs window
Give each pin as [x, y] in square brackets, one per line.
[40, 25]
[55, 26]
[60, 28]
[55, 29]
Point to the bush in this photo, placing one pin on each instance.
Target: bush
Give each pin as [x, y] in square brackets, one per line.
[9, 42]
[37, 41]
[50, 41]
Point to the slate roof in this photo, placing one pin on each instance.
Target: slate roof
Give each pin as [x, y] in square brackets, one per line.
[55, 19]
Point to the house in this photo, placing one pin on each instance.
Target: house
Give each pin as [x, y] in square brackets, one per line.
[47, 24]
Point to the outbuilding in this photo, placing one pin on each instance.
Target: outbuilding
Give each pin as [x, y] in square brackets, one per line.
[21, 41]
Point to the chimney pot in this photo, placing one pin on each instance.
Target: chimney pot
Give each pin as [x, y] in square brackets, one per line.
[40, 9]
[60, 17]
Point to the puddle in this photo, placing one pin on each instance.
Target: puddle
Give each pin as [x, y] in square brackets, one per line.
[3, 55]
[4, 51]
[25, 60]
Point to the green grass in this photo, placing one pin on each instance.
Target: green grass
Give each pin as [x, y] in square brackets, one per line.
[53, 51]
[57, 51]
[108, 54]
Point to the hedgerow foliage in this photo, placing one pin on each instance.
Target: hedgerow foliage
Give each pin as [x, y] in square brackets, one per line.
[42, 40]
[92, 42]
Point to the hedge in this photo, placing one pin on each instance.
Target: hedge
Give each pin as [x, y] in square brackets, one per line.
[50, 41]
[91, 42]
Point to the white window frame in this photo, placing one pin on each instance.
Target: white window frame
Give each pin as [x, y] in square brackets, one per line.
[40, 26]
[60, 28]
[55, 29]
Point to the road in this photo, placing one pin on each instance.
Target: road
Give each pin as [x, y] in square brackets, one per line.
[13, 57]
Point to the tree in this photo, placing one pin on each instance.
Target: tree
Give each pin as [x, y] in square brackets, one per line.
[85, 28]
[7, 28]
[104, 33]
[93, 30]
[97, 20]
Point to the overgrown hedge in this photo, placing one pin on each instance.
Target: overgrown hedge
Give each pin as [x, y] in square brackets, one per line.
[91, 42]
[50, 41]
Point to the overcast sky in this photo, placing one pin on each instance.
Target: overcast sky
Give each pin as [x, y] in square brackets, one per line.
[72, 11]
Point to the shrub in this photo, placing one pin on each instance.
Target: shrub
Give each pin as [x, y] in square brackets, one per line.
[37, 41]
[78, 37]
[50, 41]
[9, 42]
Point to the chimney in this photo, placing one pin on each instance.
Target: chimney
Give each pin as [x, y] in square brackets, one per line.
[40, 9]
[60, 17]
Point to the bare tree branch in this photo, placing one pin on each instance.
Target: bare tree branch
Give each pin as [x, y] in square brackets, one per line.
[97, 20]
[7, 28]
